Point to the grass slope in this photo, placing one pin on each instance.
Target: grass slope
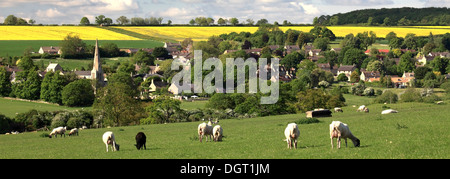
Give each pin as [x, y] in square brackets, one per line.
[11, 107]
[418, 131]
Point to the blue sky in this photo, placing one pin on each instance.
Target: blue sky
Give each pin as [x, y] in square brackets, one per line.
[181, 11]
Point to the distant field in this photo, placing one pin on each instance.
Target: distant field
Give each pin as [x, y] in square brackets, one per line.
[419, 130]
[58, 33]
[15, 39]
[10, 107]
[203, 33]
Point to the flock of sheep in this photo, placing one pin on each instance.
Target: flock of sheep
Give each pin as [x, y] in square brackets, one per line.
[338, 130]
[108, 138]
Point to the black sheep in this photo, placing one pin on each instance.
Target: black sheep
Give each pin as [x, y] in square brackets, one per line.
[141, 139]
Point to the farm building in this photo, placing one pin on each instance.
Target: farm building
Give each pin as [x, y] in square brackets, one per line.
[50, 50]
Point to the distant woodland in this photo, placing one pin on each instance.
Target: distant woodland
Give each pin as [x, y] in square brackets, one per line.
[405, 16]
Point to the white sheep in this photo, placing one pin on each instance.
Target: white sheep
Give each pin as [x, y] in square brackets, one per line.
[337, 109]
[205, 129]
[389, 111]
[73, 132]
[58, 130]
[217, 133]
[109, 139]
[362, 108]
[292, 133]
[340, 130]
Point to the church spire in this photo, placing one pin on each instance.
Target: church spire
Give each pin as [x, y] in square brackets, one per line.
[97, 64]
[97, 72]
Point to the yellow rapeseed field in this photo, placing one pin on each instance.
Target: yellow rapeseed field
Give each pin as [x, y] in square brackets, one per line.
[58, 33]
[179, 33]
[202, 33]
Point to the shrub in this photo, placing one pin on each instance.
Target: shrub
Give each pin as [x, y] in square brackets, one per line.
[369, 92]
[307, 121]
[411, 95]
[387, 97]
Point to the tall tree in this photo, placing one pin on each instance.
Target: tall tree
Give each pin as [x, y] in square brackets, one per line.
[99, 20]
[163, 109]
[85, 21]
[406, 63]
[117, 105]
[78, 93]
[52, 87]
[72, 47]
[5, 84]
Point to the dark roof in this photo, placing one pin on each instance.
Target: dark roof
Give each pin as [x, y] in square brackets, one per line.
[346, 68]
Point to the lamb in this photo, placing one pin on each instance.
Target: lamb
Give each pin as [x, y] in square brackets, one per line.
[340, 130]
[338, 109]
[389, 111]
[292, 133]
[141, 139]
[206, 129]
[58, 130]
[73, 132]
[109, 139]
[217, 133]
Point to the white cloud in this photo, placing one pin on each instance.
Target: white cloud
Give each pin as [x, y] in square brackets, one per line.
[49, 13]
[436, 3]
[307, 8]
[359, 2]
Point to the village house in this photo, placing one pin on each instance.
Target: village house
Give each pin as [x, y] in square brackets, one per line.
[425, 59]
[327, 67]
[368, 75]
[54, 67]
[347, 70]
[50, 50]
[291, 48]
[381, 51]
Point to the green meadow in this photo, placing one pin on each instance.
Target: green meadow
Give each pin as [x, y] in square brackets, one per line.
[17, 47]
[419, 130]
[11, 107]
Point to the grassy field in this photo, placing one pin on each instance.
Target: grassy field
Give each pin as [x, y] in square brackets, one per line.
[17, 47]
[11, 107]
[418, 131]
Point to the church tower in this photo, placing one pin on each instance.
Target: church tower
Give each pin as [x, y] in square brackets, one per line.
[97, 72]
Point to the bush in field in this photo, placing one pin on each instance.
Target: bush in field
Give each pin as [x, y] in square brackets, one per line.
[4, 124]
[387, 97]
[60, 119]
[411, 95]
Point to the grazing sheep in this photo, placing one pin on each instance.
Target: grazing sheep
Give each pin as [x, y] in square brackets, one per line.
[292, 133]
[340, 130]
[217, 133]
[206, 129]
[389, 111]
[141, 139]
[109, 139]
[366, 109]
[58, 130]
[362, 108]
[338, 109]
[73, 132]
